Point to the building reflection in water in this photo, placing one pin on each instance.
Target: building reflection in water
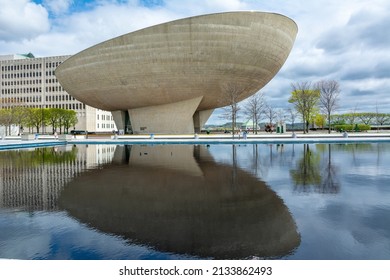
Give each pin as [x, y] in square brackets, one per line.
[32, 179]
[180, 199]
[176, 198]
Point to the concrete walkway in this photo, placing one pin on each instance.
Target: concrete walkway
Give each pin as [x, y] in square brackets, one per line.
[19, 144]
[286, 138]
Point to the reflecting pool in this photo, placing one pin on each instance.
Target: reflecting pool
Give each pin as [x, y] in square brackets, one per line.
[255, 201]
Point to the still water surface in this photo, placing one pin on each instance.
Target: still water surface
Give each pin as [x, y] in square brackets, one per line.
[295, 201]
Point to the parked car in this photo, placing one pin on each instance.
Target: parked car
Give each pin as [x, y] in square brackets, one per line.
[78, 132]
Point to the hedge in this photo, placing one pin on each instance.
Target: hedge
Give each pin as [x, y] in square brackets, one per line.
[352, 127]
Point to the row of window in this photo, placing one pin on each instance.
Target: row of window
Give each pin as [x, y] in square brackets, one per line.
[31, 90]
[26, 75]
[22, 100]
[54, 89]
[21, 67]
[22, 75]
[29, 66]
[106, 125]
[51, 81]
[77, 106]
[52, 64]
[21, 90]
[22, 82]
[36, 98]
[50, 98]
[105, 117]
[73, 106]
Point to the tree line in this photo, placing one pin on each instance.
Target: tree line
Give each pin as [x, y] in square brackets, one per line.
[60, 120]
[366, 118]
[315, 103]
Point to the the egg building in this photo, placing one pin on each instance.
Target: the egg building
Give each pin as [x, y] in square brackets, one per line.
[170, 77]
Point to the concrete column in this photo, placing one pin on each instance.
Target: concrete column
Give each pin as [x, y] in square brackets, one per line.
[119, 119]
[200, 118]
[173, 118]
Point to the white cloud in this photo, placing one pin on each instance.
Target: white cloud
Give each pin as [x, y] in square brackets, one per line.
[22, 19]
[195, 7]
[58, 6]
[342, 40]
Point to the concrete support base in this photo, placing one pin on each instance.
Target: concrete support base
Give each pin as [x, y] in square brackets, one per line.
[200, 118]
[173, 118]
[122, 122]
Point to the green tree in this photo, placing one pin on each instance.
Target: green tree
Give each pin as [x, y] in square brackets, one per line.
[305, 100]
[382, 118]
[319, 120]
[6, 120]
[69, 119]
[19, 116]
[338, 119]
[53, 117]
[37, 118]
[366, 118]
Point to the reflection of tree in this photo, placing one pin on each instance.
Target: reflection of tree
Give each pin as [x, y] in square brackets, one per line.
[329, 182]
[265, 156]
[234, 169]
[312, 174]
[33, 179]
[359, 149]
[307, 174]
[37, 157]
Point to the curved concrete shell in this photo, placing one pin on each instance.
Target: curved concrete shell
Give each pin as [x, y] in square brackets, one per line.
[168, 78]
[183, 203]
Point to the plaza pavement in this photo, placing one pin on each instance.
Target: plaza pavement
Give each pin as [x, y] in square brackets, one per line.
[285, 138]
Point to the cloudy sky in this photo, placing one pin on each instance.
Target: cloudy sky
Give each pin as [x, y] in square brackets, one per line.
[344, 40]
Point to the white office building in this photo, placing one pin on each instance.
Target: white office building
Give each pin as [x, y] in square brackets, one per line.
[30, 82]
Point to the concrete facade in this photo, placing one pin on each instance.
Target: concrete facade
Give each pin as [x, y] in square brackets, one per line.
[28, 81]
[168, 78]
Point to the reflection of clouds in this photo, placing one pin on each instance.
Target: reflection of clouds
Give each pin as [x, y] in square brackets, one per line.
[369, 171]
[352, 224]
[15, 243]
[57, 236]
[338, 231]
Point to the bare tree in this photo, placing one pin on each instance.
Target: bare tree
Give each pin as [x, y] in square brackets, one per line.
[351, 117]
[292, 115]
[305, 100]
[255, 108]
[380, 118]
[329, 97]
[270, 114]
[280, 115]
[232, 94]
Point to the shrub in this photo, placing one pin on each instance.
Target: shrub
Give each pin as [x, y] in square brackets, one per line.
[350, 127]
[363, 127]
